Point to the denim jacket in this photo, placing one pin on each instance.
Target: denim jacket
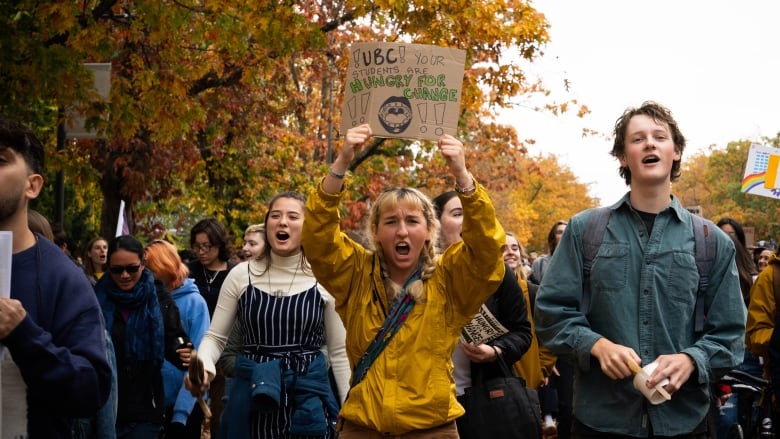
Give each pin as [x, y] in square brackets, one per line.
[643, 295]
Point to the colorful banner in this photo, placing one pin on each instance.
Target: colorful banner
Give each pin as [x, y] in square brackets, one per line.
[761, 172]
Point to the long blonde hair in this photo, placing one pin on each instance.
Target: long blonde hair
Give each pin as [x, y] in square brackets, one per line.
[520, 270]
[391, 199]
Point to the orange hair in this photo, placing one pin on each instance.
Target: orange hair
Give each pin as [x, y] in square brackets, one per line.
[166, 265]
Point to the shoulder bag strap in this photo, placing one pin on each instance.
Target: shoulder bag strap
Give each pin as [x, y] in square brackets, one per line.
[399, 311]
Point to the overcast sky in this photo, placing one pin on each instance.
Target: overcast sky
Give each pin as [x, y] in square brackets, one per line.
[713, 63]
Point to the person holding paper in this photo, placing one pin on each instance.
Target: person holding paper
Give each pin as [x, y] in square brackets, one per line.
[506, 305]
[644, 306]
[402, 304]
[51, 325]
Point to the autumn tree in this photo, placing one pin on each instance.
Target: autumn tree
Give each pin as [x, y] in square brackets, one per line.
[215, 106]
[551, 193]
[692, 188]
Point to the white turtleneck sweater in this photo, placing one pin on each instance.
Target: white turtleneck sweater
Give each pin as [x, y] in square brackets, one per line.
[285, 277]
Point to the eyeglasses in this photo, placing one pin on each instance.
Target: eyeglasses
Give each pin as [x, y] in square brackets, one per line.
[205, 248]
[119, 269]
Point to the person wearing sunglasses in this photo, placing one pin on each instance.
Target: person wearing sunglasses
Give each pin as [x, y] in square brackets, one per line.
[146, 329]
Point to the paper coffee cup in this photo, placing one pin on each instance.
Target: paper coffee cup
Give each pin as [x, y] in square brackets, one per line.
[655, 395]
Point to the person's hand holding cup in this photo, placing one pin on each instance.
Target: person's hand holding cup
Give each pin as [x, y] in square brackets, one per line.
[656, 395]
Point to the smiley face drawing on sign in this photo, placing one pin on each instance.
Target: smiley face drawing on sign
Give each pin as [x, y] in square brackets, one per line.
[395, 114]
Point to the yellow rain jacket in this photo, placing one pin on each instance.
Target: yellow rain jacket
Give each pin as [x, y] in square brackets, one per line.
[762, 310]
[409, 386]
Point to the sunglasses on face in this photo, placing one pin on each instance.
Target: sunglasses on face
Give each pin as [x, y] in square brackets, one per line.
[119, 269]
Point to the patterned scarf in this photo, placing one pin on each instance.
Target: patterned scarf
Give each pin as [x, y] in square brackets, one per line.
[144, 330]
[399, 311]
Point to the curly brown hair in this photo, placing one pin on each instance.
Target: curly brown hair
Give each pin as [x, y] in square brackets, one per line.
[660, 115]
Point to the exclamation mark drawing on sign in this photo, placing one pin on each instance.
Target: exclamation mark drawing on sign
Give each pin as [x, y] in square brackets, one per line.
[358, 118]
[422, 110]
[365, 98]
[439, 110]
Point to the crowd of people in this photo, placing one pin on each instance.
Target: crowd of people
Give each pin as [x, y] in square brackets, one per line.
[310, 333]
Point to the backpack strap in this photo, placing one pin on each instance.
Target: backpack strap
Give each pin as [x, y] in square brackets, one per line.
[705, 256]
[591, 241]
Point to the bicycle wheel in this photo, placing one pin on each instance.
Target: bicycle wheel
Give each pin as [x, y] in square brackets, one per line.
[735, 432]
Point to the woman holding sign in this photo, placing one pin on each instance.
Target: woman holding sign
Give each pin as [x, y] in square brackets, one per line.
[403, 306]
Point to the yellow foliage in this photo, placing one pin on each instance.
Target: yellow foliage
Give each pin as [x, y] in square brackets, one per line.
[550, 193]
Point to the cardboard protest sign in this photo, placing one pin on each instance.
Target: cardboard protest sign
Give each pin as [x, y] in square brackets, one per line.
[761, 172]
[409, 91]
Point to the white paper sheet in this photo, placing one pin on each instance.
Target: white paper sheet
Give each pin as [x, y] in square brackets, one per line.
[13, 409]
[13, 399]
[6, 246]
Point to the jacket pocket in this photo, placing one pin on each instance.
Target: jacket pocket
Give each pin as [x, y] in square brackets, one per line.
[683, 281]
[609, 272]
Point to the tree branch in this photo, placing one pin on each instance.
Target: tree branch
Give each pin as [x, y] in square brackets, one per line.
[333, 24]
[211, 80]
[365, 153]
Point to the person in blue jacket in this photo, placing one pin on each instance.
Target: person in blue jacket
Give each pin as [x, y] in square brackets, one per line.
[183, 416]
[54, 357]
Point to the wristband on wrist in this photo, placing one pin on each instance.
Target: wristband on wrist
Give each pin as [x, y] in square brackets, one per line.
[468, 189]
[335, 174]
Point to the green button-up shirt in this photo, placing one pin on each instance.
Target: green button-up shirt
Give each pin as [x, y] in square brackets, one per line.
[643, 295]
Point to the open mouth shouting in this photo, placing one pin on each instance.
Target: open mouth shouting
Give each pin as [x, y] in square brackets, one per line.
[651, 159]
[282, 237]
[402, 249]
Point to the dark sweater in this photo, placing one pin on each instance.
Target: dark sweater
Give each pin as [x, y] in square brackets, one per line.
[60, 346]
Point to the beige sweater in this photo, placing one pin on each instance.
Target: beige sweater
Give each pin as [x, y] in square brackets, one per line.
[286, 276]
